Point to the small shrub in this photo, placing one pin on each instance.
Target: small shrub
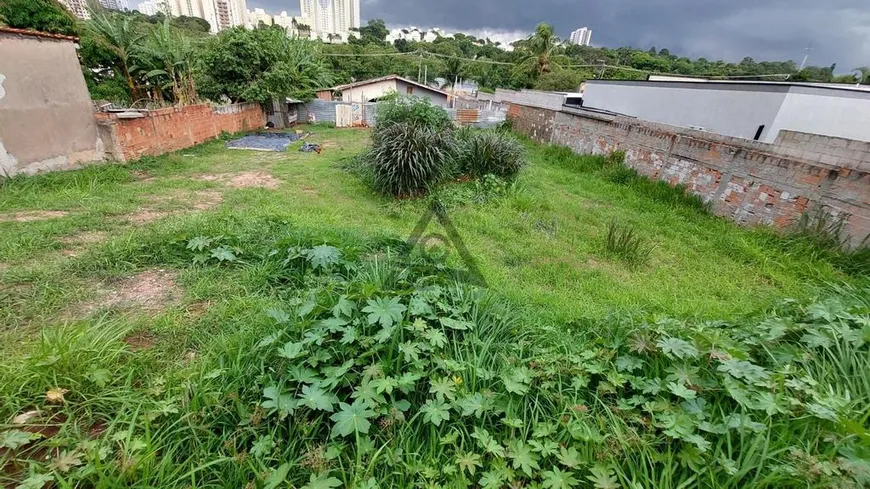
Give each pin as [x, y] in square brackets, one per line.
[398, 109]
[490, 153]
[616, 158]
[625, 243]
[407, 159]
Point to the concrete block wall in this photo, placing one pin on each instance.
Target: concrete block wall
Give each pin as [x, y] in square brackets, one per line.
[846, 153]
[751, 182]
[170, 129]
[530, 98]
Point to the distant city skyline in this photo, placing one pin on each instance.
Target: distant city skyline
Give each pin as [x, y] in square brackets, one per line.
[766, 30]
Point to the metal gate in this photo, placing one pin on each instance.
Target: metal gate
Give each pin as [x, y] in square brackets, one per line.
[343, 115]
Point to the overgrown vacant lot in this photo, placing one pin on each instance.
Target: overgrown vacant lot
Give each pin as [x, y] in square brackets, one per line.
[239, 319]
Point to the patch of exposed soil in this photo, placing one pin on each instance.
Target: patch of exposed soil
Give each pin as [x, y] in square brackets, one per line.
[250, 179]
[77, 243]
[145, 216]
[30, 216]
[150, 291]
[206, 199]
[142, 340]
[85, 238]
[200, 200]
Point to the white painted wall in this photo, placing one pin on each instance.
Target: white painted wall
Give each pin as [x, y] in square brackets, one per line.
[842, 114]
[436, 98]
[728, 111]
[372, 91]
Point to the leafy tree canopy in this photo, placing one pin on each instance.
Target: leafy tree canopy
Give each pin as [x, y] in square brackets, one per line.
[39, 15]
[260, 64]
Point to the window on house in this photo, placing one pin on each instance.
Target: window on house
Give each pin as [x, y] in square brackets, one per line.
[758, 132]
[410, 89]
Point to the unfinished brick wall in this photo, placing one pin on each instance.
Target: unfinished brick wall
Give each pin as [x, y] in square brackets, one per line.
[841, 152]
[166, 130]
[749, 181]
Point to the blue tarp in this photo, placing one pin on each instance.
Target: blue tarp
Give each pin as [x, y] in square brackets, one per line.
[264, 142]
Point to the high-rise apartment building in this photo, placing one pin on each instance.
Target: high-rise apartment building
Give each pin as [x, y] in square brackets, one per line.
[582, 36]
[115, 5]
[331, 17]
[79, 8]
[220, 14]
[152, 7]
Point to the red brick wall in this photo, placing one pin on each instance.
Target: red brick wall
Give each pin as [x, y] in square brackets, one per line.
[749, 181]
[166, 130]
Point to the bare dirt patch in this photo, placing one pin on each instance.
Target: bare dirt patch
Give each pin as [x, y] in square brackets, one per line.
[251, 179]
[30, 216]
[76, 244]
[206, 199]
[85, 238]
[201, 200]
[151, 291]
[142, 340]
[146, 215]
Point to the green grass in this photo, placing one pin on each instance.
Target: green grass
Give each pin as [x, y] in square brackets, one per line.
[186, 410]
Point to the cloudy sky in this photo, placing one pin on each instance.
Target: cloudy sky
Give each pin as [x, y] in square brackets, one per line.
[839, 30]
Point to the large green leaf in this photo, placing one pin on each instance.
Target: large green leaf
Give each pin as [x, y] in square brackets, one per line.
[314, 397]
[351, 419]
[323, 256]
[385, 311]
[435, 412]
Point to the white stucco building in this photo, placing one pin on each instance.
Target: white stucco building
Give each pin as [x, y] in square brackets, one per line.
[751, 110]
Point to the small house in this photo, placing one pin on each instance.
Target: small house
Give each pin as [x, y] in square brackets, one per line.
[377, 88]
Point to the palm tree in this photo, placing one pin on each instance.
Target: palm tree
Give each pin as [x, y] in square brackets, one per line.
[541, 51]
[118, 34]
[168, 58]
[864, 77]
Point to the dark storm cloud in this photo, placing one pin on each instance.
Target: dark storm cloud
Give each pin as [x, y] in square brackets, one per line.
[839, 30]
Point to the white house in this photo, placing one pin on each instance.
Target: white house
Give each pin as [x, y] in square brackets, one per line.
[377, 88]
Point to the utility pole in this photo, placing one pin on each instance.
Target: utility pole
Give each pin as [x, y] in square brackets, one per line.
[420, 68]
[603, 67]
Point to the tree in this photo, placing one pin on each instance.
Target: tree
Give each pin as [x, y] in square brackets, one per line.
[39, 15]
[375, 32]
[560, 81]
[541, 50]
[167, 57]
[117, 33]
[192, 24]
[865, 74]
[261, 64]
